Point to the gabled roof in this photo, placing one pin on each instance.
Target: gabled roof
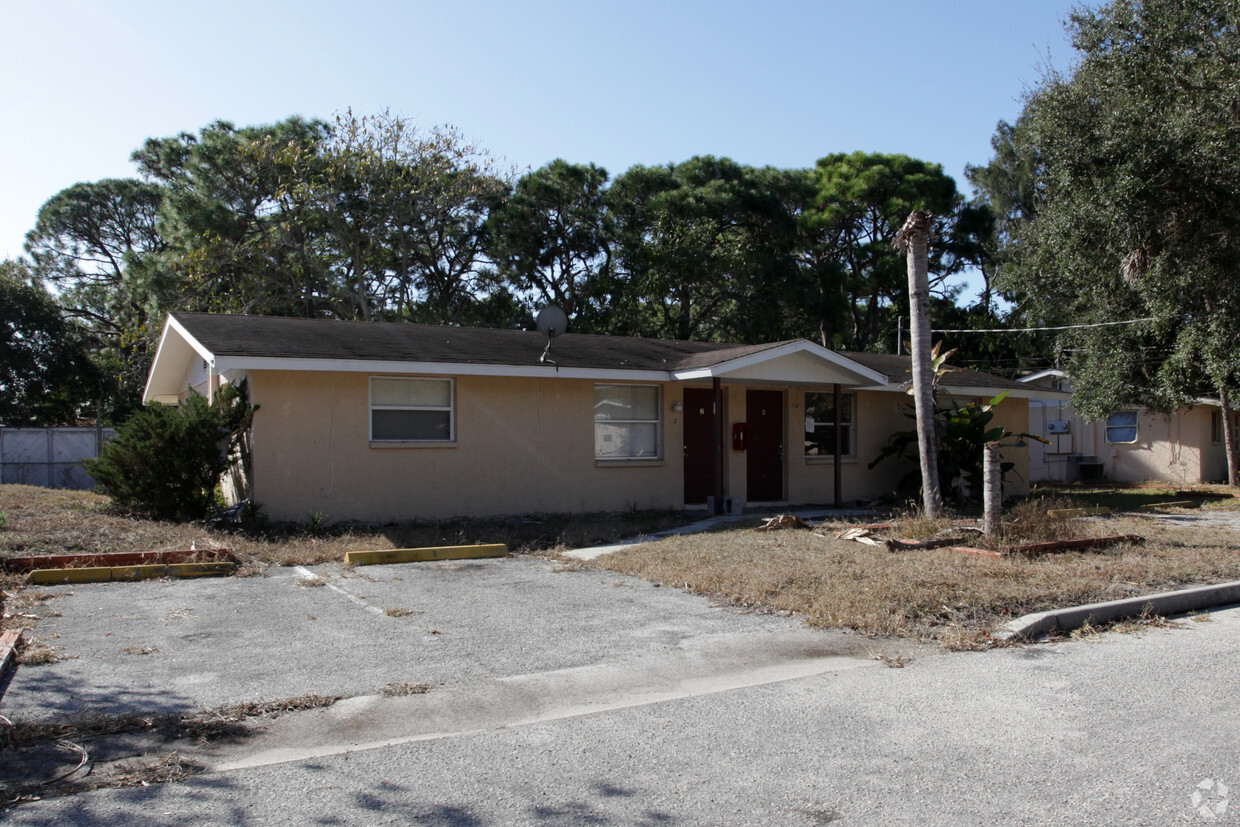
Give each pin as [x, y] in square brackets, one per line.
[227, 343]
[958, 381]
[288, 338]
[239, 343]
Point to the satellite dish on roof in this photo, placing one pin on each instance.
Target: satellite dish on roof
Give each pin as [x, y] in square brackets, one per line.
[550, 321]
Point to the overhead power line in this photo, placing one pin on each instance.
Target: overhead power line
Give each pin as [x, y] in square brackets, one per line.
[1040, 329]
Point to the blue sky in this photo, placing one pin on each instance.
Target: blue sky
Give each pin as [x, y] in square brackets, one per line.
[84, 82]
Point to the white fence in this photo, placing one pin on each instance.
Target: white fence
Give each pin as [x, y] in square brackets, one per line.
[49, 457]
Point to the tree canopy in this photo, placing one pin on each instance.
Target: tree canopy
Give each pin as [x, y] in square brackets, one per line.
[1134, 212]
[372, 218]
[46, 375]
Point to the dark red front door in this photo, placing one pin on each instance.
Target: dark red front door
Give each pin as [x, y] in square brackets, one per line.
[699, 444]
[764, 458]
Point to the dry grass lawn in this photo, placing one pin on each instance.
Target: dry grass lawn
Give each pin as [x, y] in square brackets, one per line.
[46, 521]
[939, 595]
[933, 595]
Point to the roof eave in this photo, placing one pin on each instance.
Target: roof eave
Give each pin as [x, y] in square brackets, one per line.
[854, 373]
[536, 371]
[172, 363]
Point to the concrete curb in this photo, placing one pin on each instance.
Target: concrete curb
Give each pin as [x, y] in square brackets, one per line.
[102, 574]
[1167, 603]
[107, 559]
[424, 555]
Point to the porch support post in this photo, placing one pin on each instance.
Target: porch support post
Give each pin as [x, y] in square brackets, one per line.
[717, 385]
[839, 443]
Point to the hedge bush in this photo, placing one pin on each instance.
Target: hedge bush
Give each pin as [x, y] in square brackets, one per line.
[167, 460]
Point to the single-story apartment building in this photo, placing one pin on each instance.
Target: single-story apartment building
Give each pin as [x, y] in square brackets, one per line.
[386, 422]
[1131, 445]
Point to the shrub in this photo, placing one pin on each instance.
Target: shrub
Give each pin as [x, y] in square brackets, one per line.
[167, 460]
[961, 434]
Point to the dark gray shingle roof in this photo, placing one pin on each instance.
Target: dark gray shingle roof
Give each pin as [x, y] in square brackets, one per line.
[288, 338]
[899, 369]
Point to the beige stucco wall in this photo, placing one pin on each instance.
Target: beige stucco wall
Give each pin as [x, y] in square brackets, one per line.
[811, 479]
[1173, 448]
[526, 445]
[511, 456]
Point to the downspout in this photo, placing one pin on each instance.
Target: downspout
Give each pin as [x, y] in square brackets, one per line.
[839, 442]
[717, 387]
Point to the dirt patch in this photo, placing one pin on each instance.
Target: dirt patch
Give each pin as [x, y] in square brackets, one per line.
[87, 752]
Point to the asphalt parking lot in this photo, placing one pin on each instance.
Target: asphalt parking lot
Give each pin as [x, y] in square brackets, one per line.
[181, 645]
[579, 697]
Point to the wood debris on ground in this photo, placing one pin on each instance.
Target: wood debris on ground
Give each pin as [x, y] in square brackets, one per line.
[860, 534]
[782, 521]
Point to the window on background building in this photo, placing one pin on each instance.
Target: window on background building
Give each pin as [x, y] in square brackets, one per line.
[821, 422]
[626, 422]
[1122, 426]
[411, 410]
[1216, 425]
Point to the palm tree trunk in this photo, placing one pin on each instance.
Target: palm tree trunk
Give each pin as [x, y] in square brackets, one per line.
[914, 239]
[992, 490]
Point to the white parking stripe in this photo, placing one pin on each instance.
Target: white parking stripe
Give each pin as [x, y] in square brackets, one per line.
[306, 574]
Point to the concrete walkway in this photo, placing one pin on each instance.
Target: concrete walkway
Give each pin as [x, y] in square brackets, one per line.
[712, 522]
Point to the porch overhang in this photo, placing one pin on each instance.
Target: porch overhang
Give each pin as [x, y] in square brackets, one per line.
[792, 363]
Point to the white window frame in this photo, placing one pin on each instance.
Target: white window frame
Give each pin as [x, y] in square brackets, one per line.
[450, 408]
[849, 440]
[657, 422]
[1136, 427]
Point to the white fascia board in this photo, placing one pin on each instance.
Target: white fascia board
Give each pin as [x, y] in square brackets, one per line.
[198, 347]
[245, 363]
[723, 368]
[147, 398]
[1042, 374]
[173, 330]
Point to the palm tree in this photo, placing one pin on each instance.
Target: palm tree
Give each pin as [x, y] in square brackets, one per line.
[913, 240]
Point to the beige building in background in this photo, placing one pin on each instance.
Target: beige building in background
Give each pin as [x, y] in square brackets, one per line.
[1131, 445]
[388, 422]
